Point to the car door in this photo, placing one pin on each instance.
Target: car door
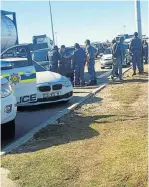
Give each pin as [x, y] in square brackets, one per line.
[20, 72]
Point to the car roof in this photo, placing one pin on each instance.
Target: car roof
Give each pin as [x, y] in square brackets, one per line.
[13, 59]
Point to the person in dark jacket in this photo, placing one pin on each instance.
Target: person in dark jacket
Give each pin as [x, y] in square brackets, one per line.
[118, 53]
[91, 63]
[65, 65]
[79, 59]
[54, 58]
[136, 51]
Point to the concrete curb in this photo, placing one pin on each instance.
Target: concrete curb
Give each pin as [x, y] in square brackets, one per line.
[52, 120]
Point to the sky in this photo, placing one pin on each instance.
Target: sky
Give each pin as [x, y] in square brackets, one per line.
[76, 21]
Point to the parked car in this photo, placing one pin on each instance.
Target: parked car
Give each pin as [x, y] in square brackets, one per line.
[106, 59]
[51, 87]
[31, 82]
[8, 109]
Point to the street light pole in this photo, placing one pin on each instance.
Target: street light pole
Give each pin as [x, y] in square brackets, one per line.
[138, 18]
[51, 23]
[56, 41]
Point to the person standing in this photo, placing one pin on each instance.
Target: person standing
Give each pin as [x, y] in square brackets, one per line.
[79, 59]
[118, 52]
[114, 66]
[65, 66]
[53, 57]
[91, 63]
[136, 52]
[145, 51]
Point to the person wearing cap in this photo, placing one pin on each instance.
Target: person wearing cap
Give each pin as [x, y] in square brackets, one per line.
[79, 59]
[91, 63]
[54, 58]
[136, 52]
[118, 52]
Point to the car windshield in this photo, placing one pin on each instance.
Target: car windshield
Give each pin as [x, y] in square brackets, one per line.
[107, 51]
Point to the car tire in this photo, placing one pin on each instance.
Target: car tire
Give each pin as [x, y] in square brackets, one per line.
[8, 130]
[102, 67]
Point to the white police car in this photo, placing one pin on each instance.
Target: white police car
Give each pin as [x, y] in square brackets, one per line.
[52, 87]
[8, 109]
[32, 84]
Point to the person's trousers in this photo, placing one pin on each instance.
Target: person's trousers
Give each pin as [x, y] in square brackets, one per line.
[91, 70]
[117, 68]
[136, 60]
[114, 68]
[79, 74]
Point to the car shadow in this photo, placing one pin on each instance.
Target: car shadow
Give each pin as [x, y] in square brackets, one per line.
[72, 127]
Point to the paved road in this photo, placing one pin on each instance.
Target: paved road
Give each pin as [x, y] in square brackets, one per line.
[30, 117]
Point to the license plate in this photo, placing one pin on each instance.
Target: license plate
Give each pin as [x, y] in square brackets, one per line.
[53, 94]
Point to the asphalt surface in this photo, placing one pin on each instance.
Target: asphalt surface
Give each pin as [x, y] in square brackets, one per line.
[30, 117]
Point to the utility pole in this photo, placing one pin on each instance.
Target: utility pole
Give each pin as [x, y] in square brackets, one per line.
[56, 41]
[138, 18]
[51, 22]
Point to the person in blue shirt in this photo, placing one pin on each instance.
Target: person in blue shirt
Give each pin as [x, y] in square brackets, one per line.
[145, 51]
[65, 65]
[54, 58]
[79, 59]
[118, 52]
[136, 52]
[91, 63]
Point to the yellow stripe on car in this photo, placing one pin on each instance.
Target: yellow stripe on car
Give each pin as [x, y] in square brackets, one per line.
[5, 75]
[28, 80]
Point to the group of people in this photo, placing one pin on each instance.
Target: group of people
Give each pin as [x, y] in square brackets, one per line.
[137, 50]
[62, 62]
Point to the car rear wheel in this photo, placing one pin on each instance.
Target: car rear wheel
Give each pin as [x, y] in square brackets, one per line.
[8, 130]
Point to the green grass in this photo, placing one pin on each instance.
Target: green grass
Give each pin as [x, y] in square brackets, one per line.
[99, 145]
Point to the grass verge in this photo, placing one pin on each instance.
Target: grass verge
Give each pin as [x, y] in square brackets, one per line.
[101, 144]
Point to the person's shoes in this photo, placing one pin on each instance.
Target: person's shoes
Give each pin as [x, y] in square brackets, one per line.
[92, 83]
[134, 73]
[121, 79]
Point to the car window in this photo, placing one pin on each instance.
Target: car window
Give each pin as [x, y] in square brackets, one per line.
[107, 51]
[15, 52]
[40, 56]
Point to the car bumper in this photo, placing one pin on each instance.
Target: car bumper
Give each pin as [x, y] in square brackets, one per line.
[8, 109]
[66, 94]
[107, 63]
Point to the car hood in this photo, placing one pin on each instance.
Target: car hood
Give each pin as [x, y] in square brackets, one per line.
[48, 76]
[108, 56]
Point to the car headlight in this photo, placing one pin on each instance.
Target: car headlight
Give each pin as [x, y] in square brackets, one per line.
[67, 83]
[5, 90]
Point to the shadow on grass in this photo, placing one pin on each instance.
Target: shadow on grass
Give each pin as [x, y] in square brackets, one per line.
[139, 80]
[72, 127]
